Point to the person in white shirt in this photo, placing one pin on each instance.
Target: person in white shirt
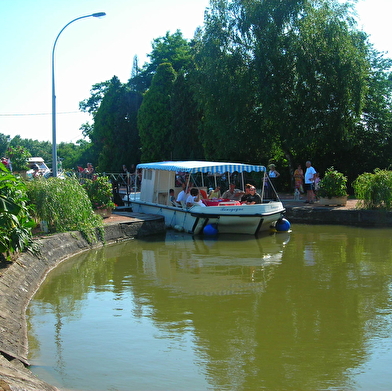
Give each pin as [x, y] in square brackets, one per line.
[182, 195]
[273, 177]
[310, 176]
[194, 198]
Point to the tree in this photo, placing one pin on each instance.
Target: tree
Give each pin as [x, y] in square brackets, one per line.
[225, 89]
[114, 136]
[98, 91]
[185, 136]
[373, 134]
[18, 156]
[172, 48]
[292, 73]
[155, 117]
[4, 143]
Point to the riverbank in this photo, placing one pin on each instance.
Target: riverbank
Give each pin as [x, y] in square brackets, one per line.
[299, 212]
[20, 279]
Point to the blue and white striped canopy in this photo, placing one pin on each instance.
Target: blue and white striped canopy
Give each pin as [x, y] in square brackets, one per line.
[200, 166]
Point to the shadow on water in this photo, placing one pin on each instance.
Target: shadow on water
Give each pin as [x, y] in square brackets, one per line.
[304, 310]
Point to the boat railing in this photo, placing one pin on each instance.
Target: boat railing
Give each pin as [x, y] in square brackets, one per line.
[126, 182]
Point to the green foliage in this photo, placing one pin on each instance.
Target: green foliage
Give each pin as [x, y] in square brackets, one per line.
[4, 143]
[16, 222]
[115, 135]
[65, 206]
[374, 190]
[34, 147]
[173, 49]
[282, 75]
[99, 192]
[185, 136]
[155, 116]
[333, 184]
[98, 91]
[18, 156]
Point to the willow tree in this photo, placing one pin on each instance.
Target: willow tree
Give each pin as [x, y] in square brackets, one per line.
[155, 116]
[312, 79]
[281, 74]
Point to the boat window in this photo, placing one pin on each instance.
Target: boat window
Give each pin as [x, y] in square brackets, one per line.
[147, 174]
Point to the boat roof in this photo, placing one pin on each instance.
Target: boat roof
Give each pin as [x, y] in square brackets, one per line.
[35, 159]
[201, 166]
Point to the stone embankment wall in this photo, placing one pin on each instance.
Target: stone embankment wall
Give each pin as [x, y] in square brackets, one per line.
[21, 279]
[339, 216]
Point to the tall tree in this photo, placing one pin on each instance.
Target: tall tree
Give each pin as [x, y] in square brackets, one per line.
[185, 137]
[173, 49]
[225, 88]
[155, 116]
[293, 73]
[115, 136]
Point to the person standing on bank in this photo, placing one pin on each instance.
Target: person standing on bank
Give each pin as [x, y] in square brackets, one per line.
[273, 175]
[299, 179]
[310, 176]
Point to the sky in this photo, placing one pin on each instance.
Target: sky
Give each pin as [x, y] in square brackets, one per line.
[93, 50]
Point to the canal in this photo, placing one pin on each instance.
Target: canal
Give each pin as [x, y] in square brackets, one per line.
[305, 310]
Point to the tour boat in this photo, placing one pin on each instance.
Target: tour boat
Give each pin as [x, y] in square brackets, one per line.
[219, 215]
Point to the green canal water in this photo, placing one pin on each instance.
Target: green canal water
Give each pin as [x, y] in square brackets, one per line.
[305, 310]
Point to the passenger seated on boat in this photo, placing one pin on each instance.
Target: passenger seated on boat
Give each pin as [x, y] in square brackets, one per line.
[247, 191]
[232, 193]
[194, 198]
[172, 199]
[215, 193]
[182, 195]
[252, 198]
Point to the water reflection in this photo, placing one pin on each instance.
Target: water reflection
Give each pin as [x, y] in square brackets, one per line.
[292, 311]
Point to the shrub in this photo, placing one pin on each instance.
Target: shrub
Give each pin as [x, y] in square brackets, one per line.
[374, 190]
[16, 221]
[18, 156]
[99, 192]
[333, 184]
[64, 205]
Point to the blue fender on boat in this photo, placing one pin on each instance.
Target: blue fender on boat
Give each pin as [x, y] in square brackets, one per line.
[210, 229]
[282, 225]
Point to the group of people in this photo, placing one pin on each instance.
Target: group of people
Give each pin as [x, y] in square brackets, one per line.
[87, 172]
[187, 196]
[307, 182]
[192, 196]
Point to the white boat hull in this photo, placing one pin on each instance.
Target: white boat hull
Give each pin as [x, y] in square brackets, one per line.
[233, 219]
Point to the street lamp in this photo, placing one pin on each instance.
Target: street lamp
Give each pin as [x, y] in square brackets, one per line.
[54, 146]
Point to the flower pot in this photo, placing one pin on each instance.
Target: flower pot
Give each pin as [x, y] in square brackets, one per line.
[105, 212]
[333, 201]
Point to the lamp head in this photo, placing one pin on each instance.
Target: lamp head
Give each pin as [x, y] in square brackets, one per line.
[99, 14]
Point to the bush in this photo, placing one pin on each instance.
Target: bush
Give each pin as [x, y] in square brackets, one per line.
[374, 191]
[64, 205]
[16, 221]
[99, 192]
[333, 184]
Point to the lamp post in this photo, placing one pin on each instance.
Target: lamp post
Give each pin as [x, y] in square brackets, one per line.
[54, 146]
